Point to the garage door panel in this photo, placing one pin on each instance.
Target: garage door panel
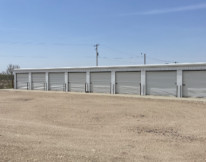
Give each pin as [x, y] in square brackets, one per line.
[38, 77]
[163, 91]
[57, 87]
[56, 82]
[77, 77]
[195, 92]
[161, 83]
[127, 88]
[100, 87]
[22, 81]
[194, 84]
[101, 82]
[76, 87]
[128, 76]
[77, 82]
[38, 81]
[38, 86]
[101, 77]
[22, 85]
[128, 82]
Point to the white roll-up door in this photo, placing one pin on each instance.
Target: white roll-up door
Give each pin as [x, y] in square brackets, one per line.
[161, 83]
[77, 82]
[38, 81]
[194, 84]
[128, 82]
[22, 81]
[56, 82]
[100, 82]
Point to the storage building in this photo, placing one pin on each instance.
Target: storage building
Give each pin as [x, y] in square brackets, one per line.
[178, 80]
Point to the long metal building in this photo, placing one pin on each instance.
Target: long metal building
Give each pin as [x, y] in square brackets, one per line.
[178, 80]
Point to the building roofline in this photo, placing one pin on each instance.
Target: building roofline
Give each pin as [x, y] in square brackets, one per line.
[116, 66]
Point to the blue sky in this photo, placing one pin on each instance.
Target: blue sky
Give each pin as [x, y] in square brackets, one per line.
[62, 33]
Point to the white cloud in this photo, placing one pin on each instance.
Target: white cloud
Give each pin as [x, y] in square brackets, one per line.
[169, 10]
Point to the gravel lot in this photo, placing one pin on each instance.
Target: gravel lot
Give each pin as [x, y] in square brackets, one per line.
[58, 126]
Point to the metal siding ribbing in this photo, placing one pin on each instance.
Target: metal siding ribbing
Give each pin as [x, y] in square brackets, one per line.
[56, 82]
[194, 83]
[128, 82]
[38, 81]
[22, 81]
[101, 82]
[77, 82]
[161, 83]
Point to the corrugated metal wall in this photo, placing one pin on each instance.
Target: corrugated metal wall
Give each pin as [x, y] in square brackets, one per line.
[38, 81]
[100, 82]
[56, 82]
[77, 82]
[161, 83]
[194, 84]
[128, 82]
[22, 81]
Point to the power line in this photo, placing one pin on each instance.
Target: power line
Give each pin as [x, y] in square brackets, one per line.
[165, 61]
[115, 50]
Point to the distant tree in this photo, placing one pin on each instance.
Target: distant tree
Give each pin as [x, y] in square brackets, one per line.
[8, 76]
[10, 69]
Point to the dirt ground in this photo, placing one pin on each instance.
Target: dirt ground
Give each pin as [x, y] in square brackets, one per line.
[59, 126]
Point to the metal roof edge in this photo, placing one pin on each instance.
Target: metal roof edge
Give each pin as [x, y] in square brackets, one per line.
[116, 66]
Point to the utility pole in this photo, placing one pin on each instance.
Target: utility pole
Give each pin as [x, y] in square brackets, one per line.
[144, 58]
[97, 54]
